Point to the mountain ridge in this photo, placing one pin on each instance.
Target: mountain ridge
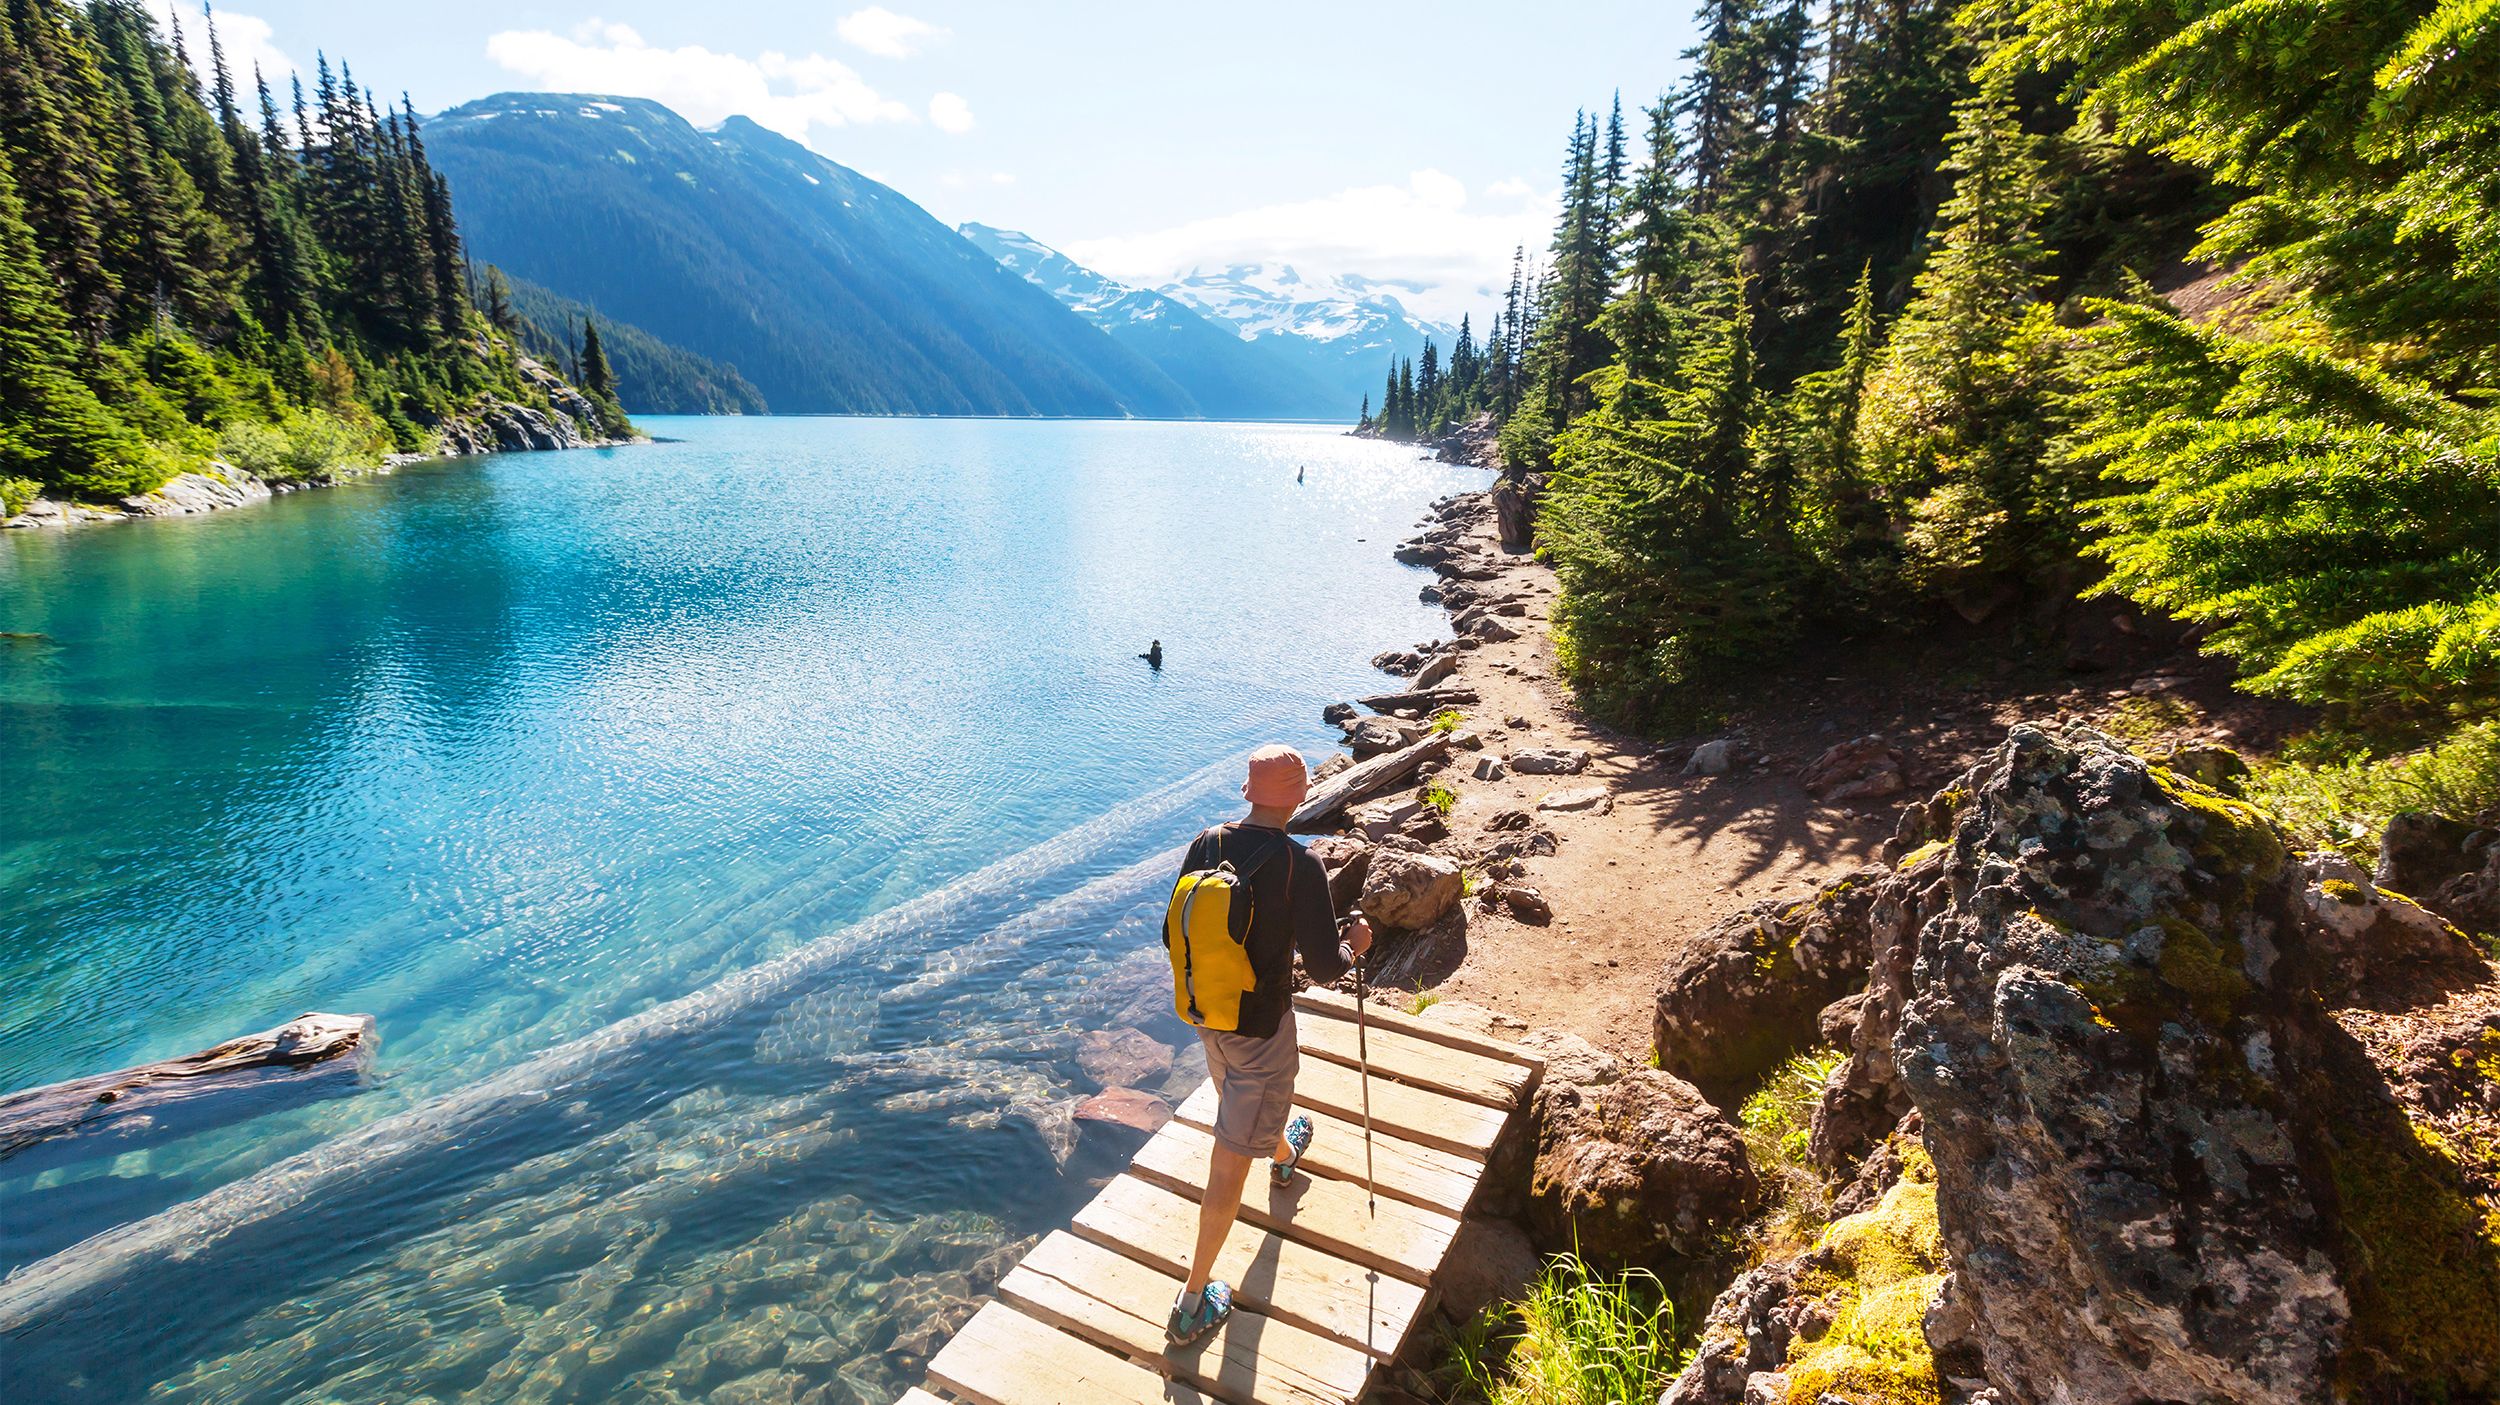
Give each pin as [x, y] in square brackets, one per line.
[829, 291]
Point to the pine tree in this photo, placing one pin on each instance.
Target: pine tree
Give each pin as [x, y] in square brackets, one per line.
[52, 427]
[1957, 408]
[1363, 420]
[499, 313]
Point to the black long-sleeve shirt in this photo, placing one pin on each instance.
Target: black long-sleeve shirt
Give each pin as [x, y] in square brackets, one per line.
[1290, 911]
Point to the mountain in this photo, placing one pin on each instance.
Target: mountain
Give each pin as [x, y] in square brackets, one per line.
[1228, 376]
[652, 376]
[1342, 330]
[828, 291]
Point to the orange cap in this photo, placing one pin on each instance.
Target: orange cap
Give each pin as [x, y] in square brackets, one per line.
[1277, 777]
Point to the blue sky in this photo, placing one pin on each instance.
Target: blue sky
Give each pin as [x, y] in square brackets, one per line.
[1390, 140]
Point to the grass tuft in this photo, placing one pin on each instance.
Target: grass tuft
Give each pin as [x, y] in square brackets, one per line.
[1581, 1338]
[1448, 720]
[1777, 1123]
[1422, 1001]
[1440, 797]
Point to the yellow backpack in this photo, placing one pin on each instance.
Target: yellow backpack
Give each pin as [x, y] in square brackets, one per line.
[1207, 930]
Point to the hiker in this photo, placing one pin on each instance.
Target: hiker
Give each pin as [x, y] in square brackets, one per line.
[1233, 980]
[1154, 656]
[1298, 471]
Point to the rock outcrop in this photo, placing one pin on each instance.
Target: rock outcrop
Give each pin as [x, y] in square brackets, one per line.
[1742, 996]
[1408, 891]
[2195, 1132]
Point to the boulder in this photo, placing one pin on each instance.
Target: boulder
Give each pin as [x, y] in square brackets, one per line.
[1712, 758]
[1526, 904]
[1123, 1058]
[1397, 661]
[2375, 947]
[2472, 898]
[2419, 851]
[1636, 1169]
[1409, 891]
[1743, 995]
[1488, 768]
[1864, 769]
[1336, 762]
[1379, 820]
[1339, 713]
[1593, 798]
[1514, 509]
[1378, 736]
[1436, 670]
[1506, 820]
[1550, 761]
[2099, 1033]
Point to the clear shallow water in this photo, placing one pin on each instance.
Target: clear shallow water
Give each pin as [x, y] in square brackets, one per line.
[541, 760]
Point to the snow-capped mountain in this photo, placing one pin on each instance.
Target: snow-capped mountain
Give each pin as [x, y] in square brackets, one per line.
[1344, 328]
[1228, 372]
[1269, 299]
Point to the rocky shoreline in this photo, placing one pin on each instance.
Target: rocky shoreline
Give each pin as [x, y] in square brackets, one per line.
[504, 427]
[2121, 1099]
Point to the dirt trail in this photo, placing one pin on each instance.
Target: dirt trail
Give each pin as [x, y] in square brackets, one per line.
[1677, 852]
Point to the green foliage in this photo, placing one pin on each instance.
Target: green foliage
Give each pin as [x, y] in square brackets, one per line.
[16, 493]
[1777, 1123]
[304, 445]
[1423, 1000]
[2345, 804]
[1581, 1338]
[2330, 521]
[1448, 720]
[1439, 798]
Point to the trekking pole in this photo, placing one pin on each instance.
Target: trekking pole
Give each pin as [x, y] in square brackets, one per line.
[1362, 1074]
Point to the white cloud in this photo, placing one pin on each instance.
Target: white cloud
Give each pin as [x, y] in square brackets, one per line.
[948, 112]
[248, 40]
[1422, 232]
[791, 95]
[884, 33]
[1512, 189]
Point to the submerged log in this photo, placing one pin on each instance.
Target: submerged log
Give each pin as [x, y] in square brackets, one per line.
[1356, 782]
[118, 1109]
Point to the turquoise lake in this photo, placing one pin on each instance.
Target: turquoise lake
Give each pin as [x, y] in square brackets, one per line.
[733, 838]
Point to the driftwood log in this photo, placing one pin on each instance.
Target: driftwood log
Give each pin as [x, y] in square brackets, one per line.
[1427, 699]
[115, 1110]
[1356, 782]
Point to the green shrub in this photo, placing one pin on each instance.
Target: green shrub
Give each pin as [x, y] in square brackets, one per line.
[1422, 1001]
[2345, 803]
[1581, 1339]
[1447, 720]
[312, 442]
[1440, 797]
[16, 493]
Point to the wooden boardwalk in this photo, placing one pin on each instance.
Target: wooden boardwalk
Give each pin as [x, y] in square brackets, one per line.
[1324, 1289]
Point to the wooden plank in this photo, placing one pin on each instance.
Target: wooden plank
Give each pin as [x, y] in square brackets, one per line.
[1357, 781]
[1122, 1305]
[1002, 1357]
[1432, 1119]
[1284, 1279]
[1405, 1240]
[917, 1396]
[1320, 1001]
[1419, 1175]
[1393, 1053]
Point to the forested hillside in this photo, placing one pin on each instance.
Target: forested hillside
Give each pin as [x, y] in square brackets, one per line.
[830, 292]
[1860, 327]
[652, 376]
[194, 270]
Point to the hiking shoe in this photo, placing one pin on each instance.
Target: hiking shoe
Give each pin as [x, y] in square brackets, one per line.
[1215, 1303]
[1298, 1141]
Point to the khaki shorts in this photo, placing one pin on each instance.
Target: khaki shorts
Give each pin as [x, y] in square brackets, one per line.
[1253, 1086]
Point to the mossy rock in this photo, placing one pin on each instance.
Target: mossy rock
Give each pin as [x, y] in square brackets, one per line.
[1881, 1268]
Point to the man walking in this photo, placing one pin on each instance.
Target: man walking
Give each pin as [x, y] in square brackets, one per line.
[1253, 1064]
